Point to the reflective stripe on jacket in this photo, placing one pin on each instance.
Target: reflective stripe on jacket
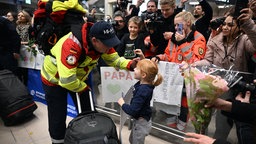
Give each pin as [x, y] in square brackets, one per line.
[188, 51]
[64, 67]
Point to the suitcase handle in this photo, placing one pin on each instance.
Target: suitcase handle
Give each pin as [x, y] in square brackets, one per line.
[79, 103]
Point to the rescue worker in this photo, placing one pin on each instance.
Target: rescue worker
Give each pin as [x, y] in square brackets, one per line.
[188, 45]
[66, 69]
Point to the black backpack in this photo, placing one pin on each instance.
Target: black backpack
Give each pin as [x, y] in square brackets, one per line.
[47, 31]
[91, 128]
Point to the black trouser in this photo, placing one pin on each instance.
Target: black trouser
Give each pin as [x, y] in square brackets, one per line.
[245, 133]
[56, 98]
[223, 123]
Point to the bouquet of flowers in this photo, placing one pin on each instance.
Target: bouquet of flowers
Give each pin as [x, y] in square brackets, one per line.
[202, 87]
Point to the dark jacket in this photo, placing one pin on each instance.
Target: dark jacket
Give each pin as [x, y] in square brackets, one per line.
[9, 44]
[165, 25]
[242, 112]
[9, 39]
[140, 103]
[202, 24]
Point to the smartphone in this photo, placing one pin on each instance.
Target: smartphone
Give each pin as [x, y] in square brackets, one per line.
[240, 4]
[180, 28]
[129, 51]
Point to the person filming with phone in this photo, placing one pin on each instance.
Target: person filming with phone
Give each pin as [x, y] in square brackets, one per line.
[184, 36]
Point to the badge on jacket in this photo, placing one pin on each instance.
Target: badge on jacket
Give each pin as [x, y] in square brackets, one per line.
[180, 57]
[71, 59]
[200, 50]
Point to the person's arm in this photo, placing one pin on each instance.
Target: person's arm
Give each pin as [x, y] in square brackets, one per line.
[209, 55]
[139, 53]
[121, 47]
[242, 112]
[134, 108]
[139, 3]
[182, 4]
[248, 25]
[222, 105]
[199, 49]
[208, 12]
[135, 10]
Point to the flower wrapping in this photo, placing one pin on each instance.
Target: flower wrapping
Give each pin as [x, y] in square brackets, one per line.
[202, 88]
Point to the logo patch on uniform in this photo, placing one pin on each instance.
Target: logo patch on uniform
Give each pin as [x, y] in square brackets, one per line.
[71, 59]
[179, 57]
[200, 50]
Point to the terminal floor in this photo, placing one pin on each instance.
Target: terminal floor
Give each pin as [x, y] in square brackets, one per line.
[35, 131]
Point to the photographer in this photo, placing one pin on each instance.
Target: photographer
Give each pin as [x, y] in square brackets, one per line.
[133, 11]
[151, 9]
[164, 28]
[120, 25]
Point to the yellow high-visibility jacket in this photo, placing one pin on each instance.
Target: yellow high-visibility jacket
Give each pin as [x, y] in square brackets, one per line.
[64, 67]
[66, 5]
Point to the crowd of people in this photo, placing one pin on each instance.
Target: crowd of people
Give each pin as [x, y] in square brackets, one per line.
[166, 34]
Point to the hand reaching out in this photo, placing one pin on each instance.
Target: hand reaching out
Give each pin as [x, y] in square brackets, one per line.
[168, 35]
[245, 99]
[140, 53]
[198, 139]
[246, 14]
[154, 59]
[121, 101]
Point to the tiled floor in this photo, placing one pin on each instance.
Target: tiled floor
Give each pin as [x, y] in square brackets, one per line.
[35, 131]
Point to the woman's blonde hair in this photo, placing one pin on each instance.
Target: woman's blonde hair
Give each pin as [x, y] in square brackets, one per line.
[151, 69]
[27, 17]
[186, 16]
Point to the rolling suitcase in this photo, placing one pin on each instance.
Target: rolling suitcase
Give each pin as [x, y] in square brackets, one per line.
[91, 128]
[16, 104]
